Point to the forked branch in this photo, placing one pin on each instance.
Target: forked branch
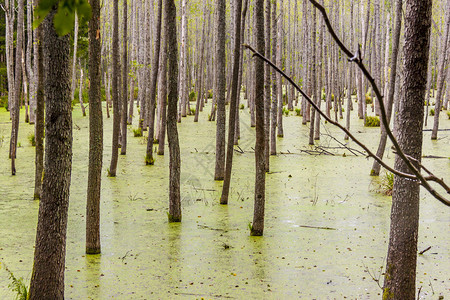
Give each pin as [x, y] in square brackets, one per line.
[417, 176]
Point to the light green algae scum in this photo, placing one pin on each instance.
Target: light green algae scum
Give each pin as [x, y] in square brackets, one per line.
[210, 254]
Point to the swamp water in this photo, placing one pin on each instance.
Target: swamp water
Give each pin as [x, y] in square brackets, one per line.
[326, 229]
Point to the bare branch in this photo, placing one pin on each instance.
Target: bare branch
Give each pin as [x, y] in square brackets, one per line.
[371, 80]
[370, 153]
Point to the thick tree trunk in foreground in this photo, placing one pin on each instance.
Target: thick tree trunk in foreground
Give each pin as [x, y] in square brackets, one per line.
[172, 132]
[47, 280]
[233, 104]
[95, 134]
[260, 178]
[400, 278]
[220, 90]
[115, 91]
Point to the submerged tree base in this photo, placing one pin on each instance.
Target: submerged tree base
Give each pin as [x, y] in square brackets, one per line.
[93, 250]
[173, 219]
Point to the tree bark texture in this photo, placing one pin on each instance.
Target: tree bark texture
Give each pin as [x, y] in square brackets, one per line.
[115, 90]
[152, 93]
[15, 108]
[47, 280]
[172, 132]
[40, 104]
[124, 94]
[233, 102]
[93, 245]
[220, 90]
[260, 178]
[442, 73]
[400, 275]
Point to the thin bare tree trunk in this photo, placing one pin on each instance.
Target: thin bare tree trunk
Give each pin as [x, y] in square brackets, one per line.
[15, 109]
[123, 149]
[74, 59]
[172, 133]
[235, 91]
[273, 123]
[152, 102]
[40, 104]
[257, 227]
[279, 91]
[80, 94]
[267, 89]
[442, 73]
[391, 88]
[93, 245]
[314, 93]
[115, 91]
[184, 92]
[220, 90]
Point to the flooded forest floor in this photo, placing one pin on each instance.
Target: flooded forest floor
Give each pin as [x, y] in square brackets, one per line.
[326, 229]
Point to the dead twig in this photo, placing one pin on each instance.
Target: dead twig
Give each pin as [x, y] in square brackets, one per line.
[401, 154]
[423, 251]
[416, 174]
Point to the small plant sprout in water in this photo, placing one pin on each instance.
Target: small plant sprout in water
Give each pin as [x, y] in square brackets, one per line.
[16, 285]
[137, 132]
[298, 111]
[432, 112]
[372, 122]
[285, 111]
[192, 110]
[242, 106]
[387, 184]
[32, 139]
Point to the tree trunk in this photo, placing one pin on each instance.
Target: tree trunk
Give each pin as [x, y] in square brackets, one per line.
[184, 92]
[15, 109]
[273, 117]
[257, 227]
[220, 90]
[235, 91]
[123, 149]
[74, 60]
[391, 88]
[319, 61]
[442, 73]
[29, 64]
[279, 60]
[172, 132]
[162, 89]
[115, 91]
[152, 93]
[95, 134]
[80, 94]
[400, 276]
[267, 88]
[47, 279]
[314, 93]
[40, 104]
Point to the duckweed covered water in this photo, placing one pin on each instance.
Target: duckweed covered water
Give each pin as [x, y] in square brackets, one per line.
[326, 228]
